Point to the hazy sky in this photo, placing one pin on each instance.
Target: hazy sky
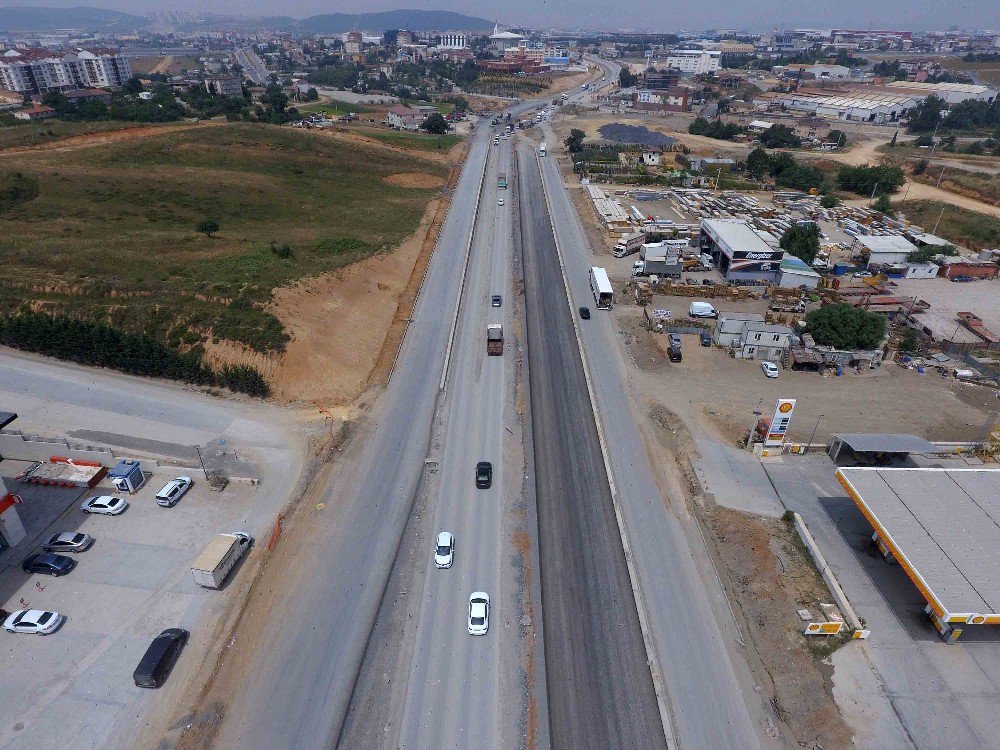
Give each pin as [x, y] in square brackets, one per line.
[647, 15]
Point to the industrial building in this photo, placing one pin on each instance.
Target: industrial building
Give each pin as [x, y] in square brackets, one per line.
[795, 273]
[741, 253]
[952, 93]
[942, 526]
[854, 106]
[883, 250]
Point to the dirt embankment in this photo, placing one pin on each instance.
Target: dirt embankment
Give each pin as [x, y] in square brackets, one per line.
[74, 142]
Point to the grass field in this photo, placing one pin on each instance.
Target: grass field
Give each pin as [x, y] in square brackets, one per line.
[112, 235]
[405, 139]
[36, 133]
[979, 185]
[965, 228]
[332, 108]
[987, 73]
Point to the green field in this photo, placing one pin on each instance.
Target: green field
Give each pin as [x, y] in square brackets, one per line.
[405, 139]
[37, 133]
[336, 109]
[963, 227]
[111, 236]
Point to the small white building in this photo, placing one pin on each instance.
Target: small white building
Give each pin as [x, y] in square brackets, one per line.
[884, 250]
[921, 270]
[729, 327]
[763, 341]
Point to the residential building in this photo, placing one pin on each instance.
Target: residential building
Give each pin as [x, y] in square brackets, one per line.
[353, 44]
[32, 114]
[695, 61]
[86, 95]
[763, 341]
[404, 118]
[729, 327]
[709, 163]
[224, 85]
[38, 70]
[674, 99]
[660, 80]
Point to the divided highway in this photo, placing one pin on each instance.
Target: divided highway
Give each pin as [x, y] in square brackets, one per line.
[600, 690]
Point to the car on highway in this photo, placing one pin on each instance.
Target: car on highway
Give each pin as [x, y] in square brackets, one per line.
[37, 621]
[496, 300]
[444, 551]
[484, 475]
[705, 338]
[173, 491]
[500, 201]
[160, 658]
[48, 563]
[585, 313]
[479, 613]
[770, 369]
[105, 505]
[68, 541]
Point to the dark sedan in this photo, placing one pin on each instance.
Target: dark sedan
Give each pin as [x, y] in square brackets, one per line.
[48, 563]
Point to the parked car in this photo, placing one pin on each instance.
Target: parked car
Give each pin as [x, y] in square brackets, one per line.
[484, 475]
[48, 563]
[160, 657]
[674, 353]
[961, 279]
[68, 541]
[770, 369]
[173, 491]
[496, 300]
[500, 201]
[479, 613]
[444, 552]
[585, 313]
[37, 621]
[705, 338]
[106, 505]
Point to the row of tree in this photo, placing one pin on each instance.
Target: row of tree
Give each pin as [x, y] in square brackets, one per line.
[971, 115]
[100, 345]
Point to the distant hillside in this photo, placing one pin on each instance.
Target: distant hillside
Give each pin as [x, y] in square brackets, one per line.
[24, 18]
[415, 20]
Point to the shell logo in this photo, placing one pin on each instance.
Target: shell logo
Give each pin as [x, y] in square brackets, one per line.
[977, 620]
[785, 408]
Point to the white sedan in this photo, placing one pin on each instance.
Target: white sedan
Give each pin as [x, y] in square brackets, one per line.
[770, 369]
[106, 505]
[444, 552]
[36, 621]
[479, 613]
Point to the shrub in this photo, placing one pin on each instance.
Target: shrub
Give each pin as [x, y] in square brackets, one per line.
[846, 327]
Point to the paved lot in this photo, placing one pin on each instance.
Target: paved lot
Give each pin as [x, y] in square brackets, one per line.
[980, 297]
[76, 685]
[944, 695]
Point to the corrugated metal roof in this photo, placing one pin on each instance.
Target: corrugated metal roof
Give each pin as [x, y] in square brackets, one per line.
[887, 443]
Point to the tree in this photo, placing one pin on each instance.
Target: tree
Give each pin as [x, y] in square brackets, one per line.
[844, 326]
[921, 166]
[575, 141]
[829, 201]
[908, 344]
[837, 136]
[207, 227]
[801, 240]
[311, 94]
[758, 162]
[865, 179]
[926, 254]
[132, 86]
[926, 116]
[780, 136]
[627, 78]
[882, 205]
[435, 123]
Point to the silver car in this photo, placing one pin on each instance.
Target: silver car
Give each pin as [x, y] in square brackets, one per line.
[35, 621]
[173, 491]
[68, 541]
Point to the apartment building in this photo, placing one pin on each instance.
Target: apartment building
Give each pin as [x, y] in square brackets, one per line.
[695, 61]
[38, 70]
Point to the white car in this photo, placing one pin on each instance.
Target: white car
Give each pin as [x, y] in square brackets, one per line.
[36, 621]
[479, 613]
[770, 369]
[444, 552]
[499, 201]
[173, 491]
[105, 505]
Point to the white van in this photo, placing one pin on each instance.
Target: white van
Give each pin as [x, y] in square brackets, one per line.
[702, 310]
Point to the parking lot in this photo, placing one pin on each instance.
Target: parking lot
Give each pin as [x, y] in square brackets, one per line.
[75, 685]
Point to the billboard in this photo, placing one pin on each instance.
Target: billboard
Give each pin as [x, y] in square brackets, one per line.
[779, 422]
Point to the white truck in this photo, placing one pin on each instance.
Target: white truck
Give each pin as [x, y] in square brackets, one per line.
[628, 244]
[541, 149]
[219, 557]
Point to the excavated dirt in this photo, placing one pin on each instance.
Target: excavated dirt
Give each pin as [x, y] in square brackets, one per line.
[414, 180]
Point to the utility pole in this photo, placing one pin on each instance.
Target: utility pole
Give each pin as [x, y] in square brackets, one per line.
[908, 186]
[753, 427]
[936, 184]
[934, 230]
[934, 142]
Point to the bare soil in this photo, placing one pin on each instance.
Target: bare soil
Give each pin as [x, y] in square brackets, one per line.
[414, 180]
[74, 142]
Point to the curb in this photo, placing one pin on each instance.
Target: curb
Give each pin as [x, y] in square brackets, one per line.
[827, 574]
[651, 658]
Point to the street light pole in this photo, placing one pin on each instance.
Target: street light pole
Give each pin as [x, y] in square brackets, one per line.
[813, 436]
[753, 428]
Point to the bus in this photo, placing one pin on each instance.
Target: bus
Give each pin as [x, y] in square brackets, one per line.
[600, 285]
[502, 181]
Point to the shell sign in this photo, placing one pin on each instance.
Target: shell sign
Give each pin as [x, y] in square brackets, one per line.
[779, 422]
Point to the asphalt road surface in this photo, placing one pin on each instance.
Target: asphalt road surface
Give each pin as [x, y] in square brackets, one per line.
[600, 690]
[706, 698]
[253, 66]
[302, 670]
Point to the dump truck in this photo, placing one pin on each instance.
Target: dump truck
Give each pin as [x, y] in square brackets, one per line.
[494, 339]
[219, 557]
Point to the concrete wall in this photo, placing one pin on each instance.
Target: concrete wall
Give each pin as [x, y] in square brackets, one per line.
[20, 447]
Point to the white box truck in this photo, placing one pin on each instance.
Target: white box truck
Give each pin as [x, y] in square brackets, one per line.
[219, 557]
[628, 244]
[541, 149]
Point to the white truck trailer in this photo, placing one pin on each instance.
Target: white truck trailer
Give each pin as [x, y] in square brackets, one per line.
[219, 557]
[541, 149]
[628, 244]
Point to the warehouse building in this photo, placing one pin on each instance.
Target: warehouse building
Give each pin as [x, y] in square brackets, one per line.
[942, 526]
[870, 107]
[742, 254]
[952, 93]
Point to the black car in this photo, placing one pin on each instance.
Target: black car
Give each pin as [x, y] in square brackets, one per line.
[706, 338]
[159, 658]
[674, 353]
[496, 300]
[49, 563]
[585, 313]
[484, 475]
